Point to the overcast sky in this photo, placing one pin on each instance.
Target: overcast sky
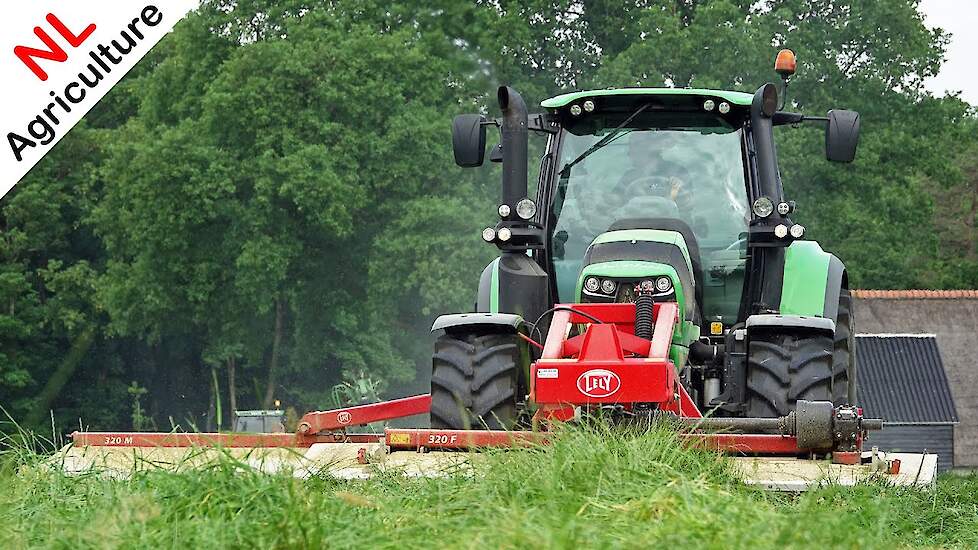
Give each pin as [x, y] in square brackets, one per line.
[960, 18]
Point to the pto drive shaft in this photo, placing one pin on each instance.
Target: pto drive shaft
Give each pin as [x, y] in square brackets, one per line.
[816, 424]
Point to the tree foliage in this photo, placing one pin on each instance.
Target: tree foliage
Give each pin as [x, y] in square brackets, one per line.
[270, 193]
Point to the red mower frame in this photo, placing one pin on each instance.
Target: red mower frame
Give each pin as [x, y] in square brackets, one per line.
[607, 364]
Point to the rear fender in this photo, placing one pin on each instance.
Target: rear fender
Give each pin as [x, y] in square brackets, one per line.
[812, 282]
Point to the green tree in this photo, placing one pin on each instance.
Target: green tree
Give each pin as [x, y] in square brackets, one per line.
[253, 220]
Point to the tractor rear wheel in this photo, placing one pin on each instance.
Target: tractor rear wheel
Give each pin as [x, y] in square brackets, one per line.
[844, 354]
[783, 367]
[475, 381]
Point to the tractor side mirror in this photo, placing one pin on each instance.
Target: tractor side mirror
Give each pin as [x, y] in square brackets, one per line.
[469, 140]
[842, 135]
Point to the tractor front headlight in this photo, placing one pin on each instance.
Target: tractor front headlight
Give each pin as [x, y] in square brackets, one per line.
[526, 209]
[575, 110]
[489, 234]
[592, 284]
[589, 106]
[781, 231]
[647, 286]
[763, 207]
[797, 231]
[608, 286]
[663, 284]
[504, 234]
[504, 210]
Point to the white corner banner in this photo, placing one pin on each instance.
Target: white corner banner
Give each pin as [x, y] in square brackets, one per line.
[58, 59]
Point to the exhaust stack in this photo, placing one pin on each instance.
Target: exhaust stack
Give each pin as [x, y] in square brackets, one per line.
[514, 141]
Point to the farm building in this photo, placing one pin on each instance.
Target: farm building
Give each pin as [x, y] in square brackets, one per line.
[902, 379]
[951, 316]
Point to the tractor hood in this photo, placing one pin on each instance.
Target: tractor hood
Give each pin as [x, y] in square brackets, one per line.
[627, 241]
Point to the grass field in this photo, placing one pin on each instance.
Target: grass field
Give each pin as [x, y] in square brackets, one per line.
[591, 489]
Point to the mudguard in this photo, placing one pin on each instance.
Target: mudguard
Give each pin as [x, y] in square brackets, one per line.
[504, 322]
[488, 298]
[790, 321]
[812, 282]
[513, 283]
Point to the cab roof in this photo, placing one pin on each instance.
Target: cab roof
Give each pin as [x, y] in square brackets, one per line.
[737, 98]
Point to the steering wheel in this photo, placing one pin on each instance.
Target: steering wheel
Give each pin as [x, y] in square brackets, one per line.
[661, 186]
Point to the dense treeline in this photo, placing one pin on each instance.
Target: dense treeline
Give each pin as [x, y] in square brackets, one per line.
[266, 206]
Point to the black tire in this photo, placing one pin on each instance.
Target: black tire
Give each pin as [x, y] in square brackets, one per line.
[476, 382]
[783, 367]
[844, 354]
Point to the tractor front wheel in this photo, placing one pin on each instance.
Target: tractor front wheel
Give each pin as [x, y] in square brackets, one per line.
[475, 381]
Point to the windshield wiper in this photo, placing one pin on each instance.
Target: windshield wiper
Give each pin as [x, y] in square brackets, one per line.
[603, 141]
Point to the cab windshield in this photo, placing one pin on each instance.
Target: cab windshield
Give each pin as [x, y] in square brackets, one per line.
[675, 166]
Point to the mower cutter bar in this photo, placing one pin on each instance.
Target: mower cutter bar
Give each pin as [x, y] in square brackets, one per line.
[416, 440]
[228, 440]
[396, 439]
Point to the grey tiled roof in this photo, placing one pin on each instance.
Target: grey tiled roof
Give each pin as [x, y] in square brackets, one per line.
[915, 294]
[901, 379]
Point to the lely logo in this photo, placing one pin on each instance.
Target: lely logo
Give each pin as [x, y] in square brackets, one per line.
[598, 383]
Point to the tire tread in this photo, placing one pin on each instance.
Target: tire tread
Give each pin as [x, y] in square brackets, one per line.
[475, 381]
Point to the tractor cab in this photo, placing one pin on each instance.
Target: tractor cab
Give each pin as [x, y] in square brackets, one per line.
[650, 187]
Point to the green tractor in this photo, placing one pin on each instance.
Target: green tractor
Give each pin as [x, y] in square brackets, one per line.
[663, 192]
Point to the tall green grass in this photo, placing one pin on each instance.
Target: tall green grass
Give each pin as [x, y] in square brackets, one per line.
[595, 487]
